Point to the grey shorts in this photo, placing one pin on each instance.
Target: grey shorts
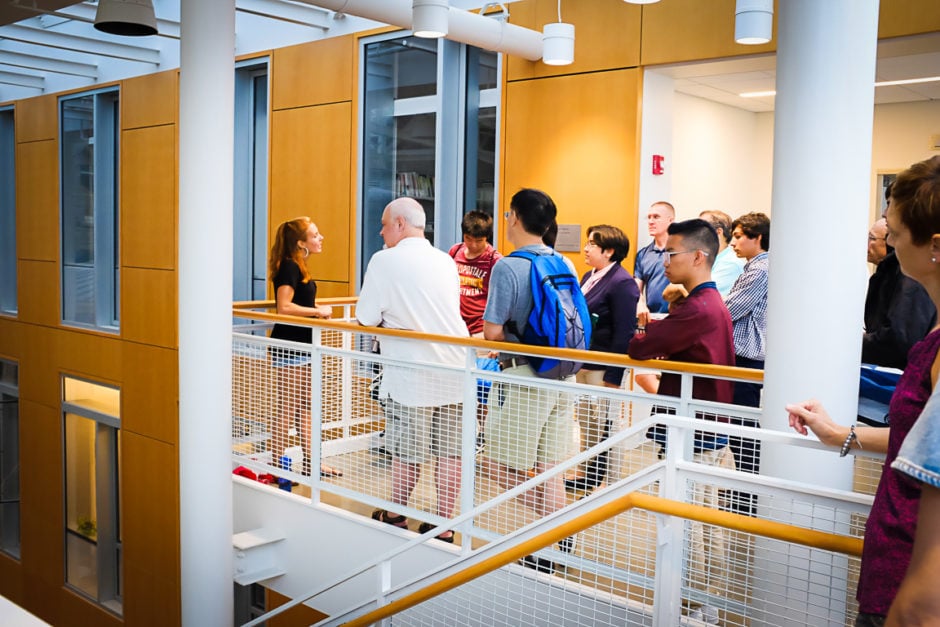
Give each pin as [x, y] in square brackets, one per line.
[415, 435]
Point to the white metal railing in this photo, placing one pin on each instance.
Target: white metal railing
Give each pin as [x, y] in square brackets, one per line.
[638, 565]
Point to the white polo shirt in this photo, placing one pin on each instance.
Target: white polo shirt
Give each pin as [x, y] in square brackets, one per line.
[415, 286]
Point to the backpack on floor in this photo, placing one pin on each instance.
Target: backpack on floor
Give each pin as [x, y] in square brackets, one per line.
[559, 315]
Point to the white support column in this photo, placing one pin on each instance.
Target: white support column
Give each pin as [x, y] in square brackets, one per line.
[822, 166]
[206, 145]
[822, 157]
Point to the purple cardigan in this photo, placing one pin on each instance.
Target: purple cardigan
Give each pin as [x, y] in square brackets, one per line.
[889, 532]
[613, 299]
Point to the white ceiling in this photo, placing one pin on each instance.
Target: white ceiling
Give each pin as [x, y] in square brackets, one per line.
[51, 45]
[722, 81]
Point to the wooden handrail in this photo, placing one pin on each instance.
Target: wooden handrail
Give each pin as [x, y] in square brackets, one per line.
[737, 522]
[720, 372]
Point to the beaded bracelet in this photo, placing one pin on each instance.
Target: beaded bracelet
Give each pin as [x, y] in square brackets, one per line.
[847, 444]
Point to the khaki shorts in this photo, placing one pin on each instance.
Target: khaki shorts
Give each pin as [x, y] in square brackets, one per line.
[415, 435]
[526, 424]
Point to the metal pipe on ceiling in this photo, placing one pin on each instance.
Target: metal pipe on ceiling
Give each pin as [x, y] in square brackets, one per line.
[466, 27]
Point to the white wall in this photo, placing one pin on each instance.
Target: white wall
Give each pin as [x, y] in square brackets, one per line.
[722, 157]
[902, 137]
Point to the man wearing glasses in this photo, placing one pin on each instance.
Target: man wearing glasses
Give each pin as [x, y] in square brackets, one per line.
[898, 312]
[697, 329]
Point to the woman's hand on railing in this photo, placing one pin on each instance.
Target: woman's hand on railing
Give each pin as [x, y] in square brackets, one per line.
[812, 414]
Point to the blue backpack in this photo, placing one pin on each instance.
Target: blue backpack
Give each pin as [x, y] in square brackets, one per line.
[559, 315]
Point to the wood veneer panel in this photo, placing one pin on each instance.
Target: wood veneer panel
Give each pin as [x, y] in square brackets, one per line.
[11, 338]
[690, 30]
[908, 17]
[150, 518]
[607, 35]
[37, 201]
[149, 391]
[311, 175]
[37, 118]
[149, 197]
[149, 306]
[575, 137]
[318, 72]
[38, 292]
[94, 355]
[150, 100]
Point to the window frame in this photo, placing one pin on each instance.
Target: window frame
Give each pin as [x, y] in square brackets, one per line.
[10, 540]
[8, 255]
[251, 163]
[108, 556]
[105, 200]
[454, 173]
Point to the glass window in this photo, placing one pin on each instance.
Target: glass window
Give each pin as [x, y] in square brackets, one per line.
[92, 474]
[9, 459]
[430, 116]
[251, 181]
[7, 212]
[89, 165]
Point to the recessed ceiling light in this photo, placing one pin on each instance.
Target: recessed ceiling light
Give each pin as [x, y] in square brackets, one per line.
[908, 81]
[905, 81]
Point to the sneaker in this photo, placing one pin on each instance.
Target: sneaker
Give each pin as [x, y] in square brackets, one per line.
[566, 545]
[707, 614]
[481, 443]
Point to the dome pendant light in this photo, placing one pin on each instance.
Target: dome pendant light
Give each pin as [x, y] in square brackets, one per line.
[130, 18]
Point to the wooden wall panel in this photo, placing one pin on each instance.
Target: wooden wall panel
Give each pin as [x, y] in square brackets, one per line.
[908, 17]
[11, 579]
[318, 72]
[89, 354]
[39, 371]
[150, 100]
[41, 506]
[310, 175]
[37, 118]
[38, 292]
[299, 615]
[150, 515]
[689, 30]
[37, 200]
[575, 137]
[149, 197]
[149, 392]
[607, 36]
[12, 343]
[331, 289]
[149, 306]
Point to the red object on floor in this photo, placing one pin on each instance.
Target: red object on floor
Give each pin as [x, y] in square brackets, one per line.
[241, 471]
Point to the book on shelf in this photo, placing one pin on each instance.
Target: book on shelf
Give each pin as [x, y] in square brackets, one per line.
[415, 185]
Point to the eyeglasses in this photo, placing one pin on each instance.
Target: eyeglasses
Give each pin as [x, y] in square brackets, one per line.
[668, 255]
[872, 238]
[590, 243]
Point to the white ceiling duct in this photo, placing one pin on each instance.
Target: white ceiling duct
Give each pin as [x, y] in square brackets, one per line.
[466, 27]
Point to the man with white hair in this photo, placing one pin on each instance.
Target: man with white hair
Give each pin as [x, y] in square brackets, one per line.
[412, 285]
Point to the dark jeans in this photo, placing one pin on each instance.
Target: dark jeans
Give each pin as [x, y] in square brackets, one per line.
[869, 620]
[746, 451]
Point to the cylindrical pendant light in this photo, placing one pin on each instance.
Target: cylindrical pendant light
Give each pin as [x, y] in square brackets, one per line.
[753, 21]
[558, 44]
[132, 18]
[430, 18]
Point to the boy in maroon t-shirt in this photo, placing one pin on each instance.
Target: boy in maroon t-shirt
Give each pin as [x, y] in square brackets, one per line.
[475, 258]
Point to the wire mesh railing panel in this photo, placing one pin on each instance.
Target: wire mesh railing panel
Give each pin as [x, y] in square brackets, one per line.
[339, 404]
[607, 580]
